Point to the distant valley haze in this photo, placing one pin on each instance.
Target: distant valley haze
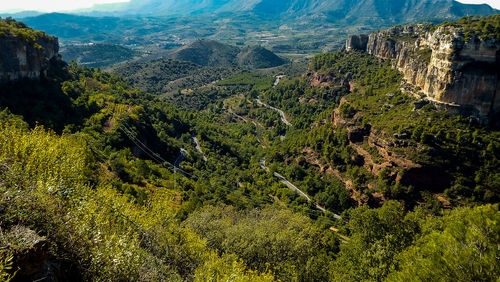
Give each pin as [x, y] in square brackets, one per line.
[62, 5]
[51, 5]
[289, 28]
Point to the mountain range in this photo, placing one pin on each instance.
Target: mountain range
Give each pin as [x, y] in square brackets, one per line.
[377, 162]
[290, 28]
[335, 10]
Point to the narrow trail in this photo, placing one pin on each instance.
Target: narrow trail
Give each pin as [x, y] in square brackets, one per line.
[198, 148]
[278, 79]
[295, 188]
[247, 120]
[282, 114]
[178, 162]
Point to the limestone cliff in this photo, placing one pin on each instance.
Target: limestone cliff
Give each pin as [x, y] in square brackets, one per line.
[456, 71]
[20, 58]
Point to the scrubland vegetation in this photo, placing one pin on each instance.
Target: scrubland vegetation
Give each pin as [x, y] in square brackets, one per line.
[88, 182]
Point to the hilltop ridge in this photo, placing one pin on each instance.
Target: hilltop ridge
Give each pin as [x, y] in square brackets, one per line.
[206, 52]
[337, 10]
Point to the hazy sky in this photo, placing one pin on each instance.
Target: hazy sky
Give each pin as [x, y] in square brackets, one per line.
[51, 5]
[493, 3]
[62, 5]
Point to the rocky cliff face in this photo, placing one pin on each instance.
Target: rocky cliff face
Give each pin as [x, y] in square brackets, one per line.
[22, 59]
[456, 73]
[357, 42]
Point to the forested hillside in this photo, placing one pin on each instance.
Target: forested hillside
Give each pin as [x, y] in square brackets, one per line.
[212, 53]
[167, 75]
[336, 174]
[97, 55]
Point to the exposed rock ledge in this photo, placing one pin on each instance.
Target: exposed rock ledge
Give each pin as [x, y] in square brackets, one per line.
[461, 75]
[410, 172]
[20, 59]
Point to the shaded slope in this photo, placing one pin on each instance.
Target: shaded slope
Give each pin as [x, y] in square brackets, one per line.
[258, 57]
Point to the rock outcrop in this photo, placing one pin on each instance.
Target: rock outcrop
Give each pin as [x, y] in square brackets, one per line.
[357, 42]
[22, 59]
[327, 80]
[402, 169]
[32, 257]
[457, 73]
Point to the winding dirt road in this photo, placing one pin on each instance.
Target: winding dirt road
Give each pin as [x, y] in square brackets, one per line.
[295, 188]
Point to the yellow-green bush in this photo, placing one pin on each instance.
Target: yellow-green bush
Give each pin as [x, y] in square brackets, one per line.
[12, 27]
[44, 180]
[228, 268]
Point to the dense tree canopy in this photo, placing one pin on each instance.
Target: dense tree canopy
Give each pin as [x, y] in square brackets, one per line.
[110, 183]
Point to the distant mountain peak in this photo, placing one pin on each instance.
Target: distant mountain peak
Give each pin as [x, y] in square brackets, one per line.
[333, 10]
